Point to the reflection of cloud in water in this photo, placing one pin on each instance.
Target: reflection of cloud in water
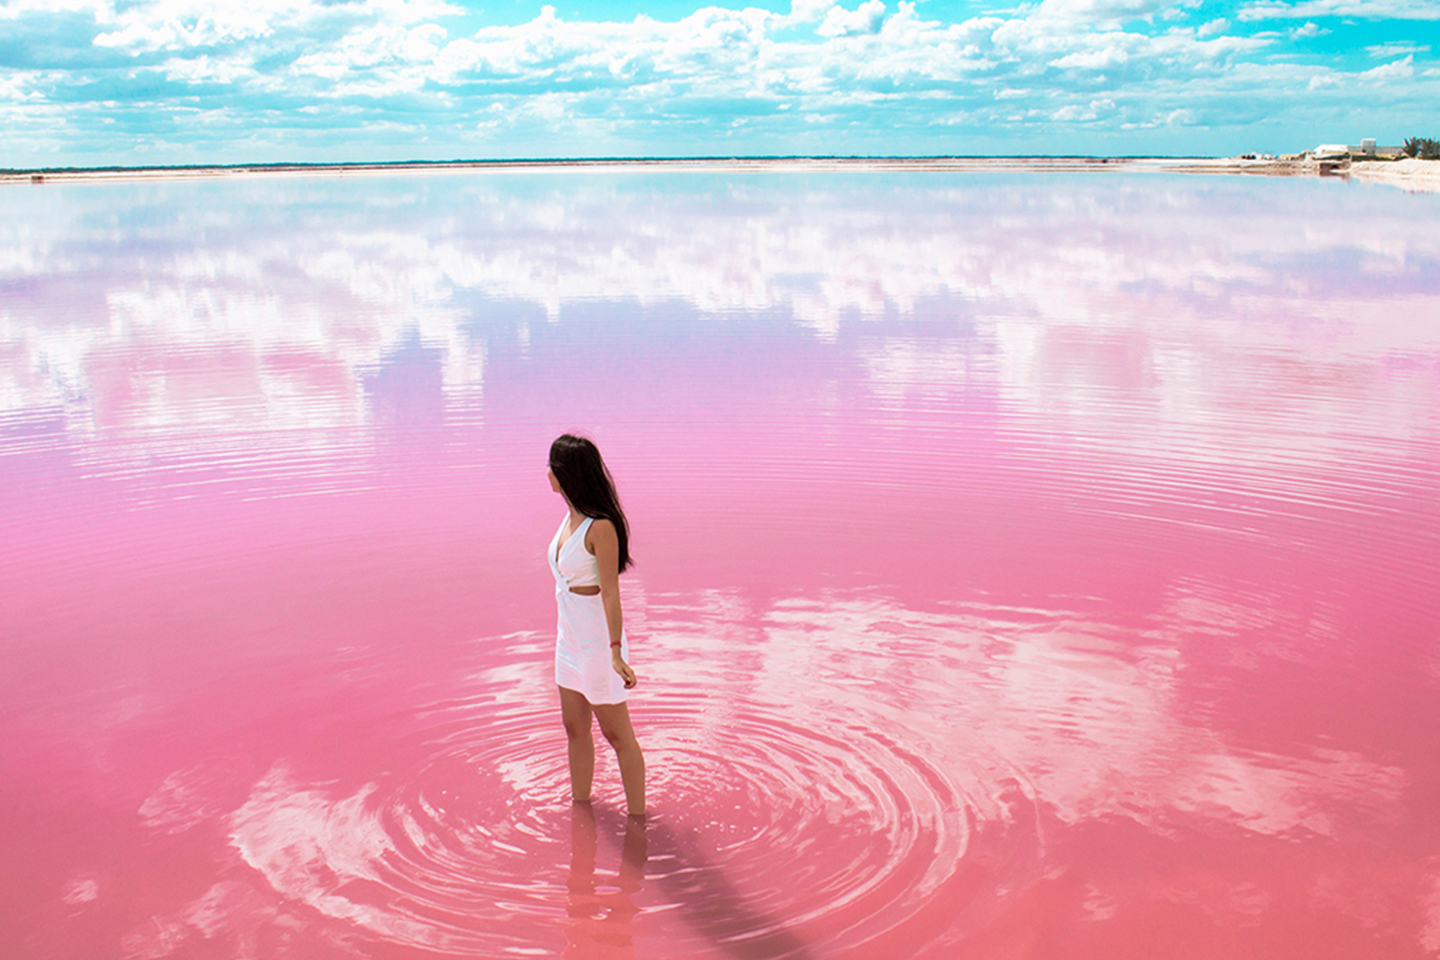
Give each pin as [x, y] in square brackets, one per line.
[1091, 718]
[335, 856]
[839, 777]
[1430, 935]
[318, 850]
[293, 291]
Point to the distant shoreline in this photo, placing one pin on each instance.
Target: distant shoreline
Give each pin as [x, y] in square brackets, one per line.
[1407, 174]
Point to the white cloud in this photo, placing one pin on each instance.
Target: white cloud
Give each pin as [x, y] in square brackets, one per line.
[717, 52]
[374, 46]
[1385, 73]
[16, 88]
[1076, 113]
[1310, 29]
[181, 24]
[1101, 59]
[1363, 9]
[1102, 15]
[205, 68]
[864, 19]
[176, 24]
[14, 9]
[772, 80]
[808, 11]
[1397, 48]
[1398, 70]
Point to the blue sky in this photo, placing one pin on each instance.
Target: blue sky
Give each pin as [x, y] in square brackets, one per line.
[91, 82]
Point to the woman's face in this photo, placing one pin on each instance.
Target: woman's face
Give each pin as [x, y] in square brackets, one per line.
[554, 484]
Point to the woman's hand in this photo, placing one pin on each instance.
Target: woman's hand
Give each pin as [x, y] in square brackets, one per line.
[627, 673]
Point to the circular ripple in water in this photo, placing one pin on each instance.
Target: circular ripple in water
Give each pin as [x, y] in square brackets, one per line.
[776, 830]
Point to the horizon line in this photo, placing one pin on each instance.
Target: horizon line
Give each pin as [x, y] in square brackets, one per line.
[571, 161]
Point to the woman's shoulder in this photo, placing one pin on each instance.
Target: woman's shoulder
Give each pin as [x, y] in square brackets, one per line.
[601, 531]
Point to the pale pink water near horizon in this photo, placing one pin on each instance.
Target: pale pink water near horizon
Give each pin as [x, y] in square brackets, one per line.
[1027, 566]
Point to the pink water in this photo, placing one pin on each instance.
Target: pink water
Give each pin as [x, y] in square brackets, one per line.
[1028, 566]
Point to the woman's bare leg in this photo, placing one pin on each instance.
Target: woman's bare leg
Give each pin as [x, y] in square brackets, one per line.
[615, 725]
[575, 713]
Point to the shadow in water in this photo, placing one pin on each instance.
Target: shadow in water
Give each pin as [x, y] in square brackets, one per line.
[599, 922]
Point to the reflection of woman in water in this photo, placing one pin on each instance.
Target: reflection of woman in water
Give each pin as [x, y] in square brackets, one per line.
[599, 925]
[589, 552]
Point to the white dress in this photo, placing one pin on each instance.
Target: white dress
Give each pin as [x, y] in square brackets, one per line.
[582, 637]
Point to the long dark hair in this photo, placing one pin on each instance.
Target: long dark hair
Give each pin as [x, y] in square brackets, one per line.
[588, 486]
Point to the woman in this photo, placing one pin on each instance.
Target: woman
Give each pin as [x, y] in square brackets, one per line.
[587, 556]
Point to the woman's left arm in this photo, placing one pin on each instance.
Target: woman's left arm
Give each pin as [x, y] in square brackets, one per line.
[606, 547]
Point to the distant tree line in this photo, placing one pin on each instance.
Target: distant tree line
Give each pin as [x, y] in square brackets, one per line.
[1422, 147]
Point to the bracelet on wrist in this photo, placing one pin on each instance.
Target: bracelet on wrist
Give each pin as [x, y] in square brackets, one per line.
[615, 644]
